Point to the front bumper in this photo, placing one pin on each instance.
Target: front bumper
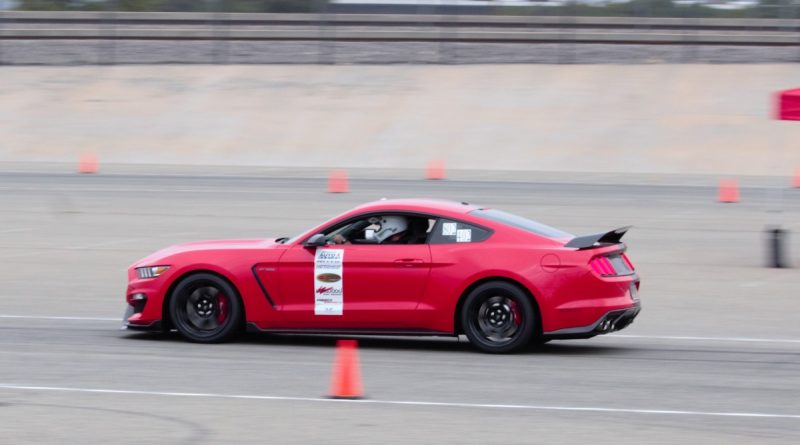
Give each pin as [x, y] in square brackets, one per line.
[144, 298]
[155, 326]
[612, 321]
[130, 320]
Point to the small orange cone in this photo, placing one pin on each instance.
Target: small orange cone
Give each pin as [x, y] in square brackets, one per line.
[346, 378]
[337, 182]
[796, 180]
[87, 163]
[435, 170]
[728, 190]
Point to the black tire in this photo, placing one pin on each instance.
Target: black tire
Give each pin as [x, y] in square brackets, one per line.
[206, 309]
[498, 317]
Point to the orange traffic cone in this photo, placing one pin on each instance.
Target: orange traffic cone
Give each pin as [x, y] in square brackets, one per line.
[346, 378]
[337, 181]
[796, 180]
[435, 170]
[87, 163]
[728, 190]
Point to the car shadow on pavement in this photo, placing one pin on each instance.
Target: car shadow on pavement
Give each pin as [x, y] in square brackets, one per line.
[422, 343]
[576, 347]
[365, 342]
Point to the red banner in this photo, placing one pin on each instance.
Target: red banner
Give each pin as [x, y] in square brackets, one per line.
[789, 105]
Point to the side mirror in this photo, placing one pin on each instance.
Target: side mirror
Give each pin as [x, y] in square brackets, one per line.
[317, 240]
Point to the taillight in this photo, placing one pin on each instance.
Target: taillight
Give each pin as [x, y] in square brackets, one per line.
[602, 266]
[612, 265]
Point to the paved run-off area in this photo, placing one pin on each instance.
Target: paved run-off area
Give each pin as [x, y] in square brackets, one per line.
[668, 119]
[714, 356]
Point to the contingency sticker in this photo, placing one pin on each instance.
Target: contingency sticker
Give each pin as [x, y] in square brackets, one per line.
[449, 229]
[464, 235]
[328, 282]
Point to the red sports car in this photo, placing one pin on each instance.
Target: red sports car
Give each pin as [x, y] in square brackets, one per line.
[410, 267]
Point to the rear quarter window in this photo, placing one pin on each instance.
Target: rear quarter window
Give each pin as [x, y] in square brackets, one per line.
[519, 222]
[448, 231]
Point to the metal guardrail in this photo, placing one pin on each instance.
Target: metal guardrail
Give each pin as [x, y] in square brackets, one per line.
[578, 36]
[232, 19]
[398, 28]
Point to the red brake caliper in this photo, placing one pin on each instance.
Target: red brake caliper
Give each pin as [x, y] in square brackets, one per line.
[515, 312]
[222, 308]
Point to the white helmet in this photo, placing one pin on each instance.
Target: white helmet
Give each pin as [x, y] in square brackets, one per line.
[390, 225]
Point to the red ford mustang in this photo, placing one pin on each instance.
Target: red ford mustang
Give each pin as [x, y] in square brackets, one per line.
[411, 267]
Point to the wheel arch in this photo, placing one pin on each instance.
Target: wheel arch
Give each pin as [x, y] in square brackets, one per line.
[166, 317]
[458, 329]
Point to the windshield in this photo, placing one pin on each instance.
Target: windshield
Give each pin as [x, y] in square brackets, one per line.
[519, 222]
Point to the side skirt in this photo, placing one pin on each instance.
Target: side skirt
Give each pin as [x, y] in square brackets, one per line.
[253, 328]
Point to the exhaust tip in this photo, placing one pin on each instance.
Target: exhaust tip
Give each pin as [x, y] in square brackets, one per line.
[604, 325]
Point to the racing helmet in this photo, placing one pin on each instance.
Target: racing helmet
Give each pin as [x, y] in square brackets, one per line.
[390, 225]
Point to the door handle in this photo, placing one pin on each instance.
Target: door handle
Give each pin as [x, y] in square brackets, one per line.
[408, 262]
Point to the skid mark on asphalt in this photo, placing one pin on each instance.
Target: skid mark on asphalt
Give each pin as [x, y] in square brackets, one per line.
[195, 432]
[582, 409]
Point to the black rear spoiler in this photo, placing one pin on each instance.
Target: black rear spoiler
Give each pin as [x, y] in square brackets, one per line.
[597, 239]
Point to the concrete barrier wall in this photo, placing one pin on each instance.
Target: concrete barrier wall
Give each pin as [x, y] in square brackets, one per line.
[618, 118]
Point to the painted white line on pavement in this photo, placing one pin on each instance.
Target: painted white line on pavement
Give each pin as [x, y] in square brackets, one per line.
[734, 339]
[407, 402]
[643, 337]
[48, 317]
[22, 229]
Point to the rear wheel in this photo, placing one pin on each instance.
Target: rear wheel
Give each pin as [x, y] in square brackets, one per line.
[498, 317]
[206, 309]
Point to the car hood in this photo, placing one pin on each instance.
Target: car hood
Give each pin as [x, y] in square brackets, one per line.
[204, 246]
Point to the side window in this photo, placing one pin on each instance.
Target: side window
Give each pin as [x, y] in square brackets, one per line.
[355, 232]
[448, 231]
[382, 229]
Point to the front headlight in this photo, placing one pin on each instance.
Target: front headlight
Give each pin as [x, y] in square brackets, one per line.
[150, 271]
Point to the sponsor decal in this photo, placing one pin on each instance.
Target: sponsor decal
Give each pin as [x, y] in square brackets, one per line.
[332, 255]
[328, 282]
[328, 277]
[328, 290]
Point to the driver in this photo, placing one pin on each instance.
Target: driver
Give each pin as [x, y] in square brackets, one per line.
[391, 230]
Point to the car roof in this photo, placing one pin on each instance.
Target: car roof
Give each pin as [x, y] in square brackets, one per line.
[435, 206]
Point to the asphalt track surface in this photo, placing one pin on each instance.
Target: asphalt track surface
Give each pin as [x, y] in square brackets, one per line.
[713, 358]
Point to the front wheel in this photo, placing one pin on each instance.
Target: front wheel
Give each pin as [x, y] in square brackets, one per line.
[498, 317]
[206, 309]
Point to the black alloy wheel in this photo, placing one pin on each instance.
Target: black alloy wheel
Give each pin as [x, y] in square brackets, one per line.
[206, 309]
[498, 317]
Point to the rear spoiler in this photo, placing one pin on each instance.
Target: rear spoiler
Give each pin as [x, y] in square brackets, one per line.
[597, 239]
